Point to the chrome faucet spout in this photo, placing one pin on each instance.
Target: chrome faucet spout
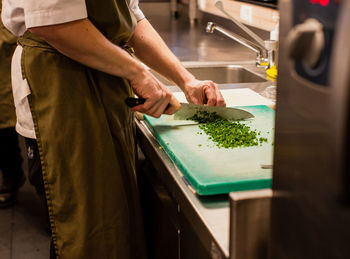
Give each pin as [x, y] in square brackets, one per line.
[211, 27]
[263, 54]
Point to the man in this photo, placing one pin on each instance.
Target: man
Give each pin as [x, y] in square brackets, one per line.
[73, 69]
[10, 155]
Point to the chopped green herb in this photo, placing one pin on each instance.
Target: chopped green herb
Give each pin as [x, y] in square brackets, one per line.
[225, 133]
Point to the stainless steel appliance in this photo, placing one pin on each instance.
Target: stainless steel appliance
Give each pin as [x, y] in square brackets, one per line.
[265, 3]
[310, 215]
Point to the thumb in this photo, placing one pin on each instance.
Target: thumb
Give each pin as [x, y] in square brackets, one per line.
[173, 106]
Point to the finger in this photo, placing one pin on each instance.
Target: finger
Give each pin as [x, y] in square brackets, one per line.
[160, 106]
[165, 107]
[157, 109]
[210, 93]
[152, 108]
[220, 101]
[143, 107]
[153, 102]
[174, 105]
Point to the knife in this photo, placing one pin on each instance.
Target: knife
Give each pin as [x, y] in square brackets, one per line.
[187, 110]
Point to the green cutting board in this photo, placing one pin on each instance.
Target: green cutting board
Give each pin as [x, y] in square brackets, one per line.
[211, 170]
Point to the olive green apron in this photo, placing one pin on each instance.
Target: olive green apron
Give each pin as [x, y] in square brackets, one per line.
[7, 47]
[86, 140]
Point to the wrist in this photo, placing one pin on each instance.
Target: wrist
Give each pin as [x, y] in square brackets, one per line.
[135, 71]
[188, 84]
[185, 81]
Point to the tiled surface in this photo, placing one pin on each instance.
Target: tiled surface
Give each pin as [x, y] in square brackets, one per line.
[5, 233]
[22, 227]
[29, 237]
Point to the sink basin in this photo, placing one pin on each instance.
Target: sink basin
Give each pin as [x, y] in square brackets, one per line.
[222, 74]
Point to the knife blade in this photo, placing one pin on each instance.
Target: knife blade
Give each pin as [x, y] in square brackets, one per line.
[187, 110]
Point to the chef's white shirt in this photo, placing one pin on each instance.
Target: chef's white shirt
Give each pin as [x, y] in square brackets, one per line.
[17, 16]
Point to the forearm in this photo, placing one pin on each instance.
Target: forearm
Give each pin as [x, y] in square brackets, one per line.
[151, 50]
[82, 42]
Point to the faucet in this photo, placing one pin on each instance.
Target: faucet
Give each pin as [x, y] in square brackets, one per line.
[265, 50]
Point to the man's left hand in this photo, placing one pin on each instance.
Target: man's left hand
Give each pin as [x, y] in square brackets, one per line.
[204, 92]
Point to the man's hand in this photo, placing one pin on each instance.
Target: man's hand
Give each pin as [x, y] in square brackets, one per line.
[203, 92]
[157, 96]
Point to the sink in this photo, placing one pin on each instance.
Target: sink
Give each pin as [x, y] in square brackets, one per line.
[220, 74]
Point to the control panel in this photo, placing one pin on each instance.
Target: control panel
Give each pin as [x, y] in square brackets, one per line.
[310, 42]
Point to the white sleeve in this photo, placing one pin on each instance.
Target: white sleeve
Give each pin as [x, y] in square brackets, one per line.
[50, 12]
[12, 15]
[134, 7]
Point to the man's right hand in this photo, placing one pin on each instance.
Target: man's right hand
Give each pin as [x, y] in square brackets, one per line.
[157, 96]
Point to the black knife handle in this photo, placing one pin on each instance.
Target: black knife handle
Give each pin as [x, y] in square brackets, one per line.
[131, 101]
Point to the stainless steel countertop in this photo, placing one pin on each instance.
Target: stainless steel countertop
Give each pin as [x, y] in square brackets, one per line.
[209, 215]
